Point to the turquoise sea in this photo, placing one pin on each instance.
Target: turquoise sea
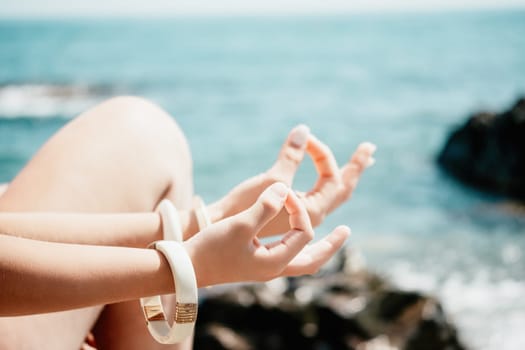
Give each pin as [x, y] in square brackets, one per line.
[237, 85]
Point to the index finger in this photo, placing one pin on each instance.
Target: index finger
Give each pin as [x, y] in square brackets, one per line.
[291, 154]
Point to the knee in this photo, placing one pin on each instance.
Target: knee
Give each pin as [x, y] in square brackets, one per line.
[141, 125]
[147, 122]
[134, 111]
[161, 140]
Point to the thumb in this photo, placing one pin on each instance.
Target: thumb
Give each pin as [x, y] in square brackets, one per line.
[266, 207]
[291, 154]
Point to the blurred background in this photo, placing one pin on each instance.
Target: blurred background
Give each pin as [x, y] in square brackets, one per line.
[238, 76]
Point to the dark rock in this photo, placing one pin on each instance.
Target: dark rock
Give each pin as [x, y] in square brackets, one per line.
[343, 308]
[488, 152]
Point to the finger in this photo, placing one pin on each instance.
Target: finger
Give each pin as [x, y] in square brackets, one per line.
[363, 154]
[291, 154]
[298, 215]
[316, 255]
[265, 208]
[360, 160]
[282, 252]
[323, 158]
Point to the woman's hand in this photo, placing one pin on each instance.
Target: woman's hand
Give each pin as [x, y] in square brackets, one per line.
[229, 250]
[333, 187]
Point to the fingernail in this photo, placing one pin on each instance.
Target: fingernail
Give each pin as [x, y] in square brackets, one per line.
[280, 189]
[369, 146]
[371, 161]
[299, 136]
[345, 229]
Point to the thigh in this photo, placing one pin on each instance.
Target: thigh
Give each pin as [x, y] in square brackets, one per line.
[60, 330]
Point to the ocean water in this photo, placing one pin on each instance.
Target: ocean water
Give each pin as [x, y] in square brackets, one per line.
[237, 85]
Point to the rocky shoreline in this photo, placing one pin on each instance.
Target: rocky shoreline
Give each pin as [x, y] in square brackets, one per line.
[344, 307]
[488, 152]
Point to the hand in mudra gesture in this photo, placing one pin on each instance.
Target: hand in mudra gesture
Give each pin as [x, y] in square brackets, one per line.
[333, 187]
[230, 251]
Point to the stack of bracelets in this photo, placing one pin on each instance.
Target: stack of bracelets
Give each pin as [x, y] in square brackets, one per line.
[186, 294]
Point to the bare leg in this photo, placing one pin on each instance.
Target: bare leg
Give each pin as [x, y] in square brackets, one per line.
[122, 156]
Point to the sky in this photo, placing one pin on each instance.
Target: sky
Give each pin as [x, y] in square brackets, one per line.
[62, 8]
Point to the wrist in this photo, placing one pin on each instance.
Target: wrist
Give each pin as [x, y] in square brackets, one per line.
[160, 327]
[202, 268]
[217, 211]
[190, 222]
[163, 276]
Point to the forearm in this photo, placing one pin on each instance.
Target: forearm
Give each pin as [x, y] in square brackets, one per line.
[39, 277]
[129, 230]
[126, 230]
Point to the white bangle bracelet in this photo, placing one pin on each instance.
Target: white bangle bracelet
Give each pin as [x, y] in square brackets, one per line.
[170, 221]
[185, 295]
[201, 213]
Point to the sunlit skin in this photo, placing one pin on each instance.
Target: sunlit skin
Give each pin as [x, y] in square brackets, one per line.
[76, 219]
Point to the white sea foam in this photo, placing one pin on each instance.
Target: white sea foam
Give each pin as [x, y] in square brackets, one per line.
[43, 100]
[489, 312]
